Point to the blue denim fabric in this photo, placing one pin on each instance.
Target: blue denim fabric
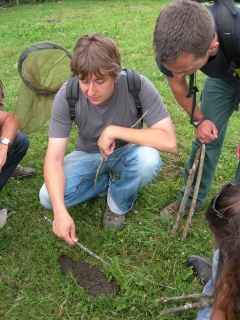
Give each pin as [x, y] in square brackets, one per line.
[136, 166]
[205, 313]
[15, 154]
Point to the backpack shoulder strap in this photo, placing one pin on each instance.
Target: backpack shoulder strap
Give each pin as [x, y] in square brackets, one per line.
[72, 95]
[134, 87]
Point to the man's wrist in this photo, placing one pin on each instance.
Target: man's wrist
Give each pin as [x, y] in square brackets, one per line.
[196, 123]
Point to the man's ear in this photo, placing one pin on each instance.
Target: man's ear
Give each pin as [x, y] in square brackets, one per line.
[214, 45]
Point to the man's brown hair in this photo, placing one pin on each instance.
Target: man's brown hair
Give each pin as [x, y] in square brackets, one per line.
[93, 53]
[182, 27]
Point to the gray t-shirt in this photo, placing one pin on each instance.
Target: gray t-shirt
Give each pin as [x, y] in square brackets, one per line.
[120, 110]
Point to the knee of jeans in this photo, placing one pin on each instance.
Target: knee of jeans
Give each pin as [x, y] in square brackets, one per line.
[44, 198]
[151, 162]
[23, 139]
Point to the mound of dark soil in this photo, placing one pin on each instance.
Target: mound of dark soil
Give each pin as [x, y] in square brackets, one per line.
[90, 278]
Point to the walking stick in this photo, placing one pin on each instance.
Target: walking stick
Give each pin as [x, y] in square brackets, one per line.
[199, 154]
[195, 194]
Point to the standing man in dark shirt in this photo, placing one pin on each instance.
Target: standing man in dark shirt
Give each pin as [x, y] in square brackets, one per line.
[186, 40]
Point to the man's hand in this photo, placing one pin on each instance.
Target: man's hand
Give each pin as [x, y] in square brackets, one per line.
[206, 131]
[106, 142]
[64, 228]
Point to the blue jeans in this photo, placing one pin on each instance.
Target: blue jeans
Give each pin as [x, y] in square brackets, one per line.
[136, 166]
[15, 154]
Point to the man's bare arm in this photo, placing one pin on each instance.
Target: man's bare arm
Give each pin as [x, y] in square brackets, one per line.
[9, 128]
[54, 176]
[160, 136]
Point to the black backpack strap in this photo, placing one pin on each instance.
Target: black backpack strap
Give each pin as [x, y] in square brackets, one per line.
[134, 87]
[192, 92]
[72, 95]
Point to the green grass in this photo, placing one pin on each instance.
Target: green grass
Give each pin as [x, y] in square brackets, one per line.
[147, 262]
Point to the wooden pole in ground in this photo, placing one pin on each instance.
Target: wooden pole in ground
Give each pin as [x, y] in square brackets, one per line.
[186, 193]
[195, 194]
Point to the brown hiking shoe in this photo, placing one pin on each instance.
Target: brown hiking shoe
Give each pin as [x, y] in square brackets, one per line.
[23, 172]
[173, 208]
[112, 220]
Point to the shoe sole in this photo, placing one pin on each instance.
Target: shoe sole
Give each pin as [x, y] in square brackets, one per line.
[24, 176]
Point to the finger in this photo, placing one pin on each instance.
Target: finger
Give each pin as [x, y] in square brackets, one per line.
[69, 240]
[215, 132]
[73, 235]
[103, 154]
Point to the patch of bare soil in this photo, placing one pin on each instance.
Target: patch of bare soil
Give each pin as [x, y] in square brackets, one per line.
[90, 278]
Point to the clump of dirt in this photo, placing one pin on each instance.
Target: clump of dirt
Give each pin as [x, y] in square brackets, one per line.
[90, 278]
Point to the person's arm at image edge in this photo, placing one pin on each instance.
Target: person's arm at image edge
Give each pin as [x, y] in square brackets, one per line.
[9, 128]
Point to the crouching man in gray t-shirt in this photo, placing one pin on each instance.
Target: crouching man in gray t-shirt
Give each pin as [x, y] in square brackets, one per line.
[104, 114]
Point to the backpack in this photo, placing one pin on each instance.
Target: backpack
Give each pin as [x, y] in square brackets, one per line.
[226, 21]
[134, 87]
[226, 12]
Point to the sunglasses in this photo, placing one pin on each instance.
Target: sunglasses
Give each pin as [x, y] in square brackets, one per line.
[214, 211]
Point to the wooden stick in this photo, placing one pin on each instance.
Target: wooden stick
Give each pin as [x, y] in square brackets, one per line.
[190, 296]
[97, 173]
[186, 193]
[195, 194]
[140, 119]
[187, 306]
[85, 249]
